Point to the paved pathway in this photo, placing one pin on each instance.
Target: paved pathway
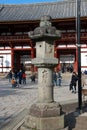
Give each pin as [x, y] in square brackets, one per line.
[13, 101]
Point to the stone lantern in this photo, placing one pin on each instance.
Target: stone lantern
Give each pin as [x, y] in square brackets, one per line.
[45, 114]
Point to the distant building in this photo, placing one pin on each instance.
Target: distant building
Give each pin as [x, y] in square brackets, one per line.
[17, 50]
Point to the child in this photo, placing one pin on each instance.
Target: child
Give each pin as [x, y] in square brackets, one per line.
[14, 83]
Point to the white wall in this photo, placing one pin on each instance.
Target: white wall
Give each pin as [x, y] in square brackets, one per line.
[6, 60]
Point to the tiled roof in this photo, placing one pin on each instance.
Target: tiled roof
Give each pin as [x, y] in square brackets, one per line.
[57, 10]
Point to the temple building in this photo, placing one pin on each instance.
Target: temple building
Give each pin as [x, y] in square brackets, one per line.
[16, 48]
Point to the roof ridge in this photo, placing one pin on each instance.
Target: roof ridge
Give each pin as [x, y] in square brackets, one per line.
[38, 3]
[25, 12]
[42, 3]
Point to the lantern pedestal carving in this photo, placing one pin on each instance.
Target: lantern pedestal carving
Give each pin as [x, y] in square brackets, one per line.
[45, 116]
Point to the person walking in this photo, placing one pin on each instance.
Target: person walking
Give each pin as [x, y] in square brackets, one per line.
[74, 79]
[54, 79]
[33, 77]
[59, 78]
[24, 77]
[83, 79]
[20, 76]
[10, 75]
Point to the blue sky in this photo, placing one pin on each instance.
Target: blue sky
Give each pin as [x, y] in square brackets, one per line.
[25, 1]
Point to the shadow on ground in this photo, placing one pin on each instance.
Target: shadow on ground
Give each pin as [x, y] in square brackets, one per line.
[71, 112]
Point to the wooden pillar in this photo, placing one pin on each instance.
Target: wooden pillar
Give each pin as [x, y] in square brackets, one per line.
[76, 61]
[56, 56]
[1, 58]
[59, 65]
[12, 59]
[55, 50]
[32, 56]
[32, 53]
[2, 64]
[18, 62]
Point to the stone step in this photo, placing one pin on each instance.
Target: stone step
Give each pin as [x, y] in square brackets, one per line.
[15, 122]
[81, 126]
[81, 123]
[24, 128]
[65, 128]
[79, 129]
[82, 119]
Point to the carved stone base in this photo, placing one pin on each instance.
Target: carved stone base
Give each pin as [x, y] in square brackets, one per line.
[45, 117]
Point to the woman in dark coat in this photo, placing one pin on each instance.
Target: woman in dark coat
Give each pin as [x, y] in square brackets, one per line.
[74, 79]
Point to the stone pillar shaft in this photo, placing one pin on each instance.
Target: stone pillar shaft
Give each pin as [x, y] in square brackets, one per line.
[45, 85]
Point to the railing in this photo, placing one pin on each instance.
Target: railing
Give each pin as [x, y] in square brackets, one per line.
[12, 38]
[68, 35]
[73, 35]
[65, 36]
